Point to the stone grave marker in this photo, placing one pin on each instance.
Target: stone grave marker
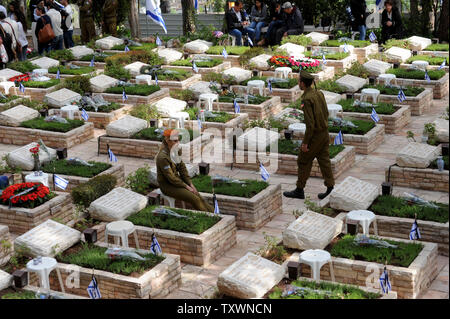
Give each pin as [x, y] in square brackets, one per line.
[108, 43]
[6, 74]
[376, 67]
[135, 68]
[418, 43]
[16, 115]
[260, 62]
[398, 54]
[168, 106]
[80, 51]
[200, 87]
[441, 130]
[353, 194]
[331, 97]
[6, 280]
[294, 50]
[239, 74]
[197, 46]
[126, 127]
[102, 82]
[317, 37]
[351, 83]
[48, 239]
[417, 155]
[169, 55]
[22, 158]
[61, 98]
[45, 63]
[256, 139]
[118, 204]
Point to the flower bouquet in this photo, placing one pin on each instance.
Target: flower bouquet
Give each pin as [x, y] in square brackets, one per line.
[35, 153]
[26, 195]
[307, 64]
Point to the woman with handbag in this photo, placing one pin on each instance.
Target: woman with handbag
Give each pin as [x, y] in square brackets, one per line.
[44, 31]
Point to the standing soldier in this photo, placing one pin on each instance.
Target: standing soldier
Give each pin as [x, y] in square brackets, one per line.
[86, 20]
[109, 12]
[316, 141]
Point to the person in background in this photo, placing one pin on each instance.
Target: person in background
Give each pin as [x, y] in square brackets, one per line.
[391, 22]
[293, 22]
[41, 22]
[3, 53]
[359, 9]
[22, 36]
[110, 17]
[258, 15]
[10, 27]
[55, 17]
[68, 33]
[237, 23]
[275, 21]
[34, 4]
[86, 20]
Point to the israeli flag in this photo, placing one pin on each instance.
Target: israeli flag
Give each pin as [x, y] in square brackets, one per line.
[384, 282]
[264, 173]
[156, 79]
[250, 42]
[323, 59]
[127, 49]
[237, 108]
[93, 290]
[199, 123]
[84, 115]
[225, 53]
[216, 205]
[338, 140]
[58, 4]
[270, 86]
[427, 77]
[414, 234]
[196, 4]
[92, 62]
[345, 48]
[58, 75]
[378, 3]
[372, 37]
[124, 96]
[154, 13]
[112, 157]
[374, 116]
[21, 87]
[158, 41]
[155, 248]
[442, 65]
[60, 182]
[194, 67]
[401, 96]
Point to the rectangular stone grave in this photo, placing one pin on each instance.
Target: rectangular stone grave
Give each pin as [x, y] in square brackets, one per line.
[6, 250]
[126, 127]
[135, 68]
[256, 139]
[294, 50]
[108, 43]
[441, 130]
[102, 82]
[250, 277]
[197, 46]
[118, 204]
[169, 55]
[6, 280]
[260, 62]
[6, 74]
[62, 97]
[200, 87]
[331, 97]
[351, 83]
[48, 239]
[45, 63]
[396, 54]
[80, 51]
[16, 115]
[311, 231]
[353, 194]
[418, 43]
[239, 74]
[317, 37]
[168, 106]
[21, 158]
[417, 155]
[376, 67]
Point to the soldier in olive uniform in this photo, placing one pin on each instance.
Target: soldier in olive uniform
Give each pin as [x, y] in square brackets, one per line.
[173, 178]
[109, 12]
[316, 141]
[86, 20]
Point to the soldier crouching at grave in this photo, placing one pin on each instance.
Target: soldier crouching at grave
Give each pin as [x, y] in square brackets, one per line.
[316, 142]
[173, 177]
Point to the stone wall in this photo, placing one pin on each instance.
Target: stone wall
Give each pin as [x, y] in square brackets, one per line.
[255, 112]
[37, 94]
[180, 85]
[286, 95]
[344, 64]
[422, 178]
[136, 99]
[216, 69]
[233, 59]
[6, 245]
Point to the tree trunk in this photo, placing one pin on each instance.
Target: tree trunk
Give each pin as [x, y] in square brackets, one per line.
[188, 9]
[133, 19]
[443, 22]
[414, 9]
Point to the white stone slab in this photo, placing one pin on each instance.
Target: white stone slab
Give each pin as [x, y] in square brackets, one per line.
[6, 280]
[256, 139]
[18, 114]
[80, 51]
[193, 171]
[169, 55]
[62, 97]
[353, 194]
[346, 48]
[351, 83]
[239, 74]
[135, 68]
[317, 37]
[200, 87]
[118, 204]
[48, 239]
[331, 97]
[441, 130]
[169, 106]
[126, 127]
[293, 50]
[376, 67]
[45, 63]
[22, 158]
[108, 43]
[102, 82]
[311, 231]
[417, 155]
[260, 62]
[197, 46]
[298, 127]
[418, 43]
[396, 54]
[6, 74]
[284, 116]
[250, 277]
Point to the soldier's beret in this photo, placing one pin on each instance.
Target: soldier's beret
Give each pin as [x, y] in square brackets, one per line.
[171, 133]
[306, 75]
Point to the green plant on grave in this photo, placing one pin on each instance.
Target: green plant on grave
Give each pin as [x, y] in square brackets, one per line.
[117, 71]
[84, 194]
[245, 57]
[302, 40]
[58, 220]
[358, 70]
[20, 295]
[35, 105]
[312, 206]
[23, 66]
[145, 112]
[40, 124]
[5, 168]
[184, 95]
[78, 83]
[139, 181]
[272, 250]
[445, 115]
[5, 246]
[410, 136]
[219, 78]
[61, 55]
[297, 213]
[429, 130]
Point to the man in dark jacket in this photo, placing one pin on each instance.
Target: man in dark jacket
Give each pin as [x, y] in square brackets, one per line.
[391, 22]
[293, 22]
[275, 21]
[359, 9]
[238, 23]
[43, 20]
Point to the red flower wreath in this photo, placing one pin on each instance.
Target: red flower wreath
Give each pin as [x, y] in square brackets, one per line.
[29, 200]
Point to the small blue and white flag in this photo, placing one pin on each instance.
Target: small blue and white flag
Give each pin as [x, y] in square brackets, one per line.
[93, 290]
[156, 79]
[112, 157]
[92, 62]
[414, 234]
[323, 59]
[196, 4]
[345, 48]
[216, 205]
[427, 77]
[194, 67]
[58, 4]
[124, 96]
[60, 182]
[127, 49]
[154, 13]
[250, 42]
[338, 140]
[58, 75]
[384, 281]
[158, 41]
[21, 87]
[442, 65]
[84, 115]
[264, 173]
[372, 37]
[155, 248]
[374, 116]
[237, 108]
[224, 53]
[270, 86]
[378, 3]
[401, 96]
[199, 123]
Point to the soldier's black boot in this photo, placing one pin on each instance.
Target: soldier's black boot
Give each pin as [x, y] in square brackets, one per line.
[296, 193]
[323, 195]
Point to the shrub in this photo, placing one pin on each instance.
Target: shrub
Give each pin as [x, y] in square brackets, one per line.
[65, 168]
[437, 47]
[382, 108]
[297, 39]
[41, 84]
[23, 66]
[231, 50]
[248, 190]
[331, 86]
[7, 99]
[355, 43]
[139, 181]
[416, 74]
[145, 112]
[61, 55]
[221, 117]
[104, 108]
[396, 43]
[98, 58]
[69, 71]
[78, 83]
[117, 71]
[358, 70]
[184, 95]
[272, 250]
[362, 128]
[20, 295]
[41, 124]
[84, 194]
[432, 60]
[143, 56]
[329, 56]
[145, 46]
[245, 57]
[255, 100]
[201, 64]
[173, 75]
[219, 78]
[36, 105]
[139, 89]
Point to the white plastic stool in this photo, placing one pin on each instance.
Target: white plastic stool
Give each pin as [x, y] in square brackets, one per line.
[7, 85]
[233, 40]
[298, 127]
[364, 218]
[170, 200]
[179, 119]
[283, 72]
[316, 258]
[69, 110]
[387, 78]
[259, 84]
[121, 230]
[334, 109]
[420, 65]
[43, 270]
[40, 72]
[144, 79]
[209, 98]
[32, 178]
[366, 93]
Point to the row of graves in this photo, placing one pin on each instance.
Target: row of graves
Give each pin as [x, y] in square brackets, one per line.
[85, 230]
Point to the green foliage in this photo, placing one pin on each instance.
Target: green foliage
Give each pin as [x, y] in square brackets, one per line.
[36, 105]
[268, 124]
[72, 169]
[84, 194]
[329, 56]
[78, 83]
[437, 47]
[362, 128]
[399, 207]
[254, 100]
[408, 90]
[20, 295]
[139, 181]
[231, 50]
[355, 43]
[314, 207]
[69, 71]
[104, 108]
[382, 108]
[23, 66]
[143, 56]
[196, 223]
[41, 84]
[331, 86]
[41, 124]
[184, 95]
[291, 148]
[200, 64]
[222, 117]
[98, 58]
[117, 71]
[8, 99]
[219, 78]
[432, 60]
[276, 85]
[150, 134]
[358, 70]
[402, 256]
[61, 55]
[396, 43]
[272, 250]
[145, 112]
[245, 57]
[301, 39]
[429, 130]
[173, 75]
[138, 89]
[90, 256]
[145, 46]
[248, 190]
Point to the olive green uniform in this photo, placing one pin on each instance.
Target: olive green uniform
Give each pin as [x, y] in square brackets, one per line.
[316, 137]
[87, 21]
[109, 12]
[172, 179]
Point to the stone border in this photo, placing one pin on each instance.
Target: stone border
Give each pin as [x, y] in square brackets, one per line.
[326, 74]
[361, 53]
[21, 220]
[286, 95]
[417, 104]
[97, 65]
[36, 289]
[180, 85]
[343, 64]
[423, 52]
[440, 87]
[136, 99]
[37, 94]
[255, 112]
[24, 136]
[100, 119]
[421, 178]
[430, 67]
[5, 253]
[233, 59]
[216, 69]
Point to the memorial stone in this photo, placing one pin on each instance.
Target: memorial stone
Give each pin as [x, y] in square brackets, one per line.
[417, 155]
[61, 98]
[169, 106]
[108, 43]
[102, 82]
[396, 54]
[6, 74]
[22, 158]
[6, 280]
[16, 115]
[441, 130]
[239, 74]
[353, 194]
[45, 63]
[317, 37]
[260, 62]
[376, 67]
[351, 83]
[80, 51]
[126, 127]
[197, 46]
[418, 43]
[169, 55]
[257, 139]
